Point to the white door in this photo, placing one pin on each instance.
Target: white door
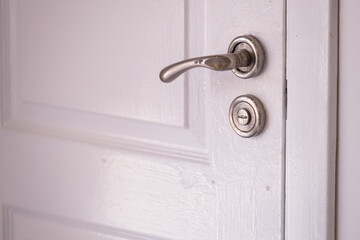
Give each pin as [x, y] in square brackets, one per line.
[94, 146]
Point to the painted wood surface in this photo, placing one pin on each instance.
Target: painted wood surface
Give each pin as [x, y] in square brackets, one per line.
[348, 191]
[311, 72]
[94, 146]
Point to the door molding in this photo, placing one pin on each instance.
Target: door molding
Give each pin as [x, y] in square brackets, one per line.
[311, 72]
[187, 141]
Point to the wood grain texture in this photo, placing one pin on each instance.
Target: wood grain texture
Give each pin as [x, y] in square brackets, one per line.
[311, 72]
[249, 172]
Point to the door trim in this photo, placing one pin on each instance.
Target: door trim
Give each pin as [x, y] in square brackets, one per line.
[312, 73]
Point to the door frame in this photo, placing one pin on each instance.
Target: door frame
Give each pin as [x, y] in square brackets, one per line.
[311, 125]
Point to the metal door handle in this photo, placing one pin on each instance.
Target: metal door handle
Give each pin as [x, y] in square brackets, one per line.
[245, 58]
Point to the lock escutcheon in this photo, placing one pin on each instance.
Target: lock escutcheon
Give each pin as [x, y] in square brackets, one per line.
[247, 116]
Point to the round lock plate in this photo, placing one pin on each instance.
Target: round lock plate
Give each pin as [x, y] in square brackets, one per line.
[247, 116]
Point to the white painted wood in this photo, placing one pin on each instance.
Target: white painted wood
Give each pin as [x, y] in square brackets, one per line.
[115, 38]
[348, 193]
[96, 92]
[26, 224]
[94, 146]
[311, 72]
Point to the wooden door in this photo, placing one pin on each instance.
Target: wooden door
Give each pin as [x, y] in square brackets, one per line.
[94, 146]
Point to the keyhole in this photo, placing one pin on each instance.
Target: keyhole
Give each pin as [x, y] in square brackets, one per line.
[243, 116]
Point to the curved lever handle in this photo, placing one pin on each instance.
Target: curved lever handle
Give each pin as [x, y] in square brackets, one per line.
[245, 58]
[214, 62]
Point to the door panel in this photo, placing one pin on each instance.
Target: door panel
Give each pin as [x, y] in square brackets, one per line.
[96, 48]
[99, 83]
[94, 146]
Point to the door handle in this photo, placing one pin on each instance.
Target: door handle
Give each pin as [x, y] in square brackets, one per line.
[245, 58]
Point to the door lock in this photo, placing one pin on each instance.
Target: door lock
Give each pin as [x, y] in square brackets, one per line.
[245, 58]
[247, 116]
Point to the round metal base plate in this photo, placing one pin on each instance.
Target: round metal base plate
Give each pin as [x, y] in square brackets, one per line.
[257, 55]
